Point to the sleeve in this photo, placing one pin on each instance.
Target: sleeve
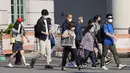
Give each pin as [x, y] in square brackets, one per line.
[14, 31]
[105, 27]
[77, 29]
[65, 34]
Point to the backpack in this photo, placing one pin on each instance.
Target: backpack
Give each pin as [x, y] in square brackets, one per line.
[100, 34]
[36, 31]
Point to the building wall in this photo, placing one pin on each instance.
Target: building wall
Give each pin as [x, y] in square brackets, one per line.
[34, 8]
[4, 12]
[85, 8]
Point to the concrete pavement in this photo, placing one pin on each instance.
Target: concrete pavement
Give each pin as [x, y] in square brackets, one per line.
[39, 67]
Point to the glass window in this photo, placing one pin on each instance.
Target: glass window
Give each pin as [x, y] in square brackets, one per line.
[22, 10]
[17, 9]
[12, 2]
[12, 17]
[21, 2]
[17, 2]
[12, 9]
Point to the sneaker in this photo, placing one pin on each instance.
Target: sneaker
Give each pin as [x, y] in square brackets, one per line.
[71, 64]
[63, 69]
[94, 67]
[10, 65]
[27, 64]
[48, 67]
[104, 68]
[97, 63]
[74, 64]
[121, 66]
[108, 61]
[80, 67]
[32, 63]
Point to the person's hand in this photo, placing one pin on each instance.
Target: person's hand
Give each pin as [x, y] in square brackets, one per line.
[115, 39]
[28, 41]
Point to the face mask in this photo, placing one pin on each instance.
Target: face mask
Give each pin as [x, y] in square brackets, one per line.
[45, 17]
[82, 21]
[69, 20]
[73, 28]
[110, 20]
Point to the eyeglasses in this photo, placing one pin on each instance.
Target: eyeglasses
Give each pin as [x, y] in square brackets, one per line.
[109, 18]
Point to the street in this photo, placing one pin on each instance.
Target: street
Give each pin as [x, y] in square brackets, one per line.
[39, 67]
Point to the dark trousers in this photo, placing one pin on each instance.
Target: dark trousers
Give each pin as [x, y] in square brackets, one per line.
[77, 46]
[77, 42]
[113, 50]
[18, 58]
[92, 56]
[66, 52]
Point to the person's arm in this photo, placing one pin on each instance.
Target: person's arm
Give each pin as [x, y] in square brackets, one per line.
[65, 34]
[107, 33]
[14, 31]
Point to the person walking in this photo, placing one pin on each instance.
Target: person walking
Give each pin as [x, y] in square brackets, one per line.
[18, 34]
[42, 30]
[109, 43]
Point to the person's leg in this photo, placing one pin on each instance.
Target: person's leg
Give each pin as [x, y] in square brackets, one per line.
[18, 59]
[104, 53]
[48, 52]
[42, 52]
[23, 57]
[115, 55]
[87, 53]
[73, 52]
[11, 57]
[93, 58]
[65, 55]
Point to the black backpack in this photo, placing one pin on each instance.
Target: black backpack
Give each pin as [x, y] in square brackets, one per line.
[100, 35]
[36, 33]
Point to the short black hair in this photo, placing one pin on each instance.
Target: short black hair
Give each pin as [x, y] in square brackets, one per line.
[96, 17]
[108, 15]
[44, 12]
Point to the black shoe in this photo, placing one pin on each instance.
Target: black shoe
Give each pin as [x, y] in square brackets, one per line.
[63, 69]
[80, 67]
[32, 63]
[18, 63]
[48, 67]
[97, 63]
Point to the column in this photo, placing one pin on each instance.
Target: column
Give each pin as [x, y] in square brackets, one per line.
[121, 13]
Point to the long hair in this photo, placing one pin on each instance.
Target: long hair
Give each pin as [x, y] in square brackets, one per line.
[16, 26]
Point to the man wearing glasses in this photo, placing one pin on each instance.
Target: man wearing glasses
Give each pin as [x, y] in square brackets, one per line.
[109, 43]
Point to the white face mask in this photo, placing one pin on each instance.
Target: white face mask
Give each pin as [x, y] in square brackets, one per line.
[45, 17]
[73, 28]
[82, 21]
[69, 20]
[110, 20]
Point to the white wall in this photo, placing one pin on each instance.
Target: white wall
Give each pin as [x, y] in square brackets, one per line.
[3, 12]
[34, 8]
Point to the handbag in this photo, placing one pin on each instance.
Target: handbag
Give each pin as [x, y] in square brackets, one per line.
[80, 53]
[67, 41]
[12, 40]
